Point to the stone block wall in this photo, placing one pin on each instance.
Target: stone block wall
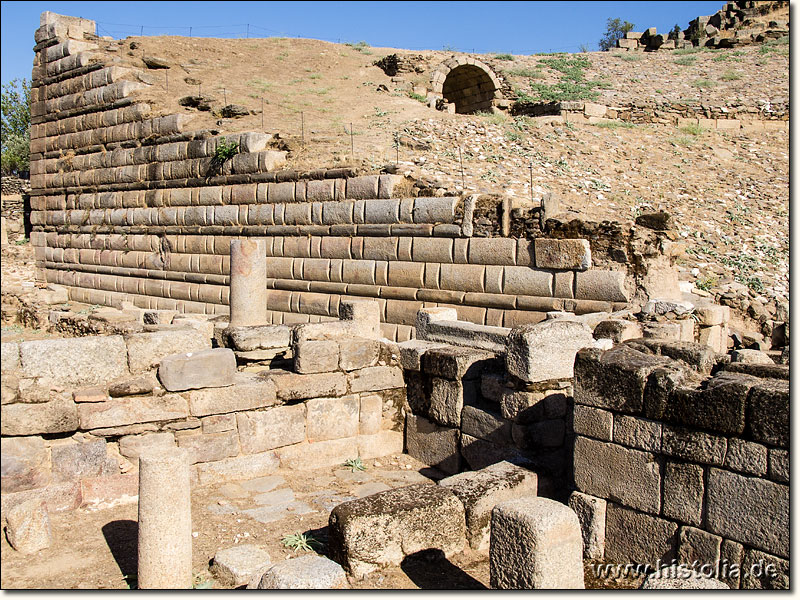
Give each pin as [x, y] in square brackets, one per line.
[673, 463]
[130, 206]
[76, 414]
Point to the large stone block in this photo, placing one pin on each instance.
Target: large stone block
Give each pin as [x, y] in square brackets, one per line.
[247, 393]
[634, 432]
[480, 491]
[249, 466]
[634, 537]
[435, 446]
[684, 488]
[295, 386]
[591, 513]
[562, 254]
[614, 379]
[768, 413]
[379, 444]
[316, 356]
[457, 363]
[593, 422]
[272, 428]
[28, 527]
[596, 284]
[610, 471]
[382, 529]
[9, 361]
[208, 447]
[693, 446]
[486, 425]
[327, 453]
[720, 406]
[332, 418]
[76, 460]
[237, 565]
[546, 350]
[447, 399]
[373, 379]
[535, 544]
[128, 411]
[698, 545]
[24, 463]
[57, 416]
[304, 573]
[264, 337]
[74, 361]
[752, 511]
[746, 457]
[761, 571]
[193, 370]
[145, 350]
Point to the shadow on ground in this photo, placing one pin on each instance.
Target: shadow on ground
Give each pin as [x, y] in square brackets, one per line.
[122, 539]
[431, 570]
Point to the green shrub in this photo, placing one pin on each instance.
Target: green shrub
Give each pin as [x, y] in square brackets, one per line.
[685, 61]
[731, 76]
[503, 57]
[702, 84]
[692, 129]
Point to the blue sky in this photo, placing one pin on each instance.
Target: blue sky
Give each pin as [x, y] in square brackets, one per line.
[515, 27]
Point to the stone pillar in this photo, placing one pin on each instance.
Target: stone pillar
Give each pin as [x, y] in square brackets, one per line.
[165, 520]
[248, 300]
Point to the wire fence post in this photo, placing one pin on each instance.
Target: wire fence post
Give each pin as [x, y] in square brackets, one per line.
[397, 148]
[302, 128]
[262, 112]
[190, 32]
[531, 171]
[248, 30]
[141, 31]
[352, 147]
[225, 97]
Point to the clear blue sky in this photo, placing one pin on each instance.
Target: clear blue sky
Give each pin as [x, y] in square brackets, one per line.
[515, 27]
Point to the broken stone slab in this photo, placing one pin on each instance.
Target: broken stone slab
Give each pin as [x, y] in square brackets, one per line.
[155, 62]
[546, 350]
[195, 370]
[28, 527]
[442, 325]
[457, 363]
[535, 544]
[382, 529]
[679, 577]
[752, 357]
[304, 573]
[617, 330]
[237, 565]
[24, 463]
[145, 350]
[263, 337]
[656, 306]
[591, 513]
[480, 491]
[412, 351]
[247, 392]
[57, 416]
[132, 386]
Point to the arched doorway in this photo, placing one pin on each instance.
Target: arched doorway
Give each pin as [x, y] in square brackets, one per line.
[467, 83]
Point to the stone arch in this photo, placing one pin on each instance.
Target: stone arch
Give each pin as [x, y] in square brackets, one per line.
[466, 82]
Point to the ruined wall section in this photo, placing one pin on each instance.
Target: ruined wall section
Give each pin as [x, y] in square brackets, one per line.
[128, 206]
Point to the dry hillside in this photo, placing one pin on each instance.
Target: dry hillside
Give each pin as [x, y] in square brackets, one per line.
[728, 190]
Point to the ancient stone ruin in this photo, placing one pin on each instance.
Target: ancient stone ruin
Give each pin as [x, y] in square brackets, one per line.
[568, 404]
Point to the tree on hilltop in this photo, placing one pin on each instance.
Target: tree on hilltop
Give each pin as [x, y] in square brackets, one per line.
[15, 128]
[615, 29]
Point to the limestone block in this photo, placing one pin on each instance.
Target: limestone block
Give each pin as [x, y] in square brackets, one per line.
[614, 379]
[712, 314]
[535, 544]
[10, 357]
[76, 460]
[607, 470]
[434, 210]
[447, 399]
[57, 416]
[327, 453]
[596, 284]
[237, 565]
[591, 513]
[752, 357]
[746, 457]
[752, 511]
[562, 254]
[457, 362]
[526, 281]
[145, 350]
[435, 446]
[332, 418]
[248, 466]
[492, 251]
[358, 353]
[768, 412]
[28, 527]
[370, 414]
[25, 463]
[208, 447]
[593, 422]
[132, 446]
[485, 425]
[294, 386]
[693, 446]
[364, 314]
[480, 491]
[634, 432]
[193, 370]
[74, 361]
[248, 392]
[384, 528]
[362, 188]
[683, 492]
[412, 351]
[304, 573]
[118, 412]
[679, 577]
[372, 379]
[638, 537]
[260, 431]
[132, 386]
[546, 350]
[316, 356]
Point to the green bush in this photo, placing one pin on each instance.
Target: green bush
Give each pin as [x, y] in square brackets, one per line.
[15, 131]
[615, 29]
[503, 57]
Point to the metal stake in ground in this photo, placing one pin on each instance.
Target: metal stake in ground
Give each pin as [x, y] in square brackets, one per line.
[531, 170]
[302, 128]
[397, 148]
[225, 97]
[262, 112]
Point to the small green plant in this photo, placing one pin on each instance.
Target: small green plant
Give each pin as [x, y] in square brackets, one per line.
[380, 113]
[630, 57]
[354, 464]
[300, 542]
[685, 61]
[615, 125]
[503, 57]
[706, 283]
[702, 84]
[692, 129]
[315, 76]
[682, 140]
[226, 151]
[731, 76]
[417, 97]
[691, 50]
[361, 46]
[493, 118]
[200, 583]
[525, 72]
[21, 241]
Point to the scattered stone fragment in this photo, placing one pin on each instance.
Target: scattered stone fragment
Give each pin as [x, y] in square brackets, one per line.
[28, 527]
[237, 565]
[304, 573]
